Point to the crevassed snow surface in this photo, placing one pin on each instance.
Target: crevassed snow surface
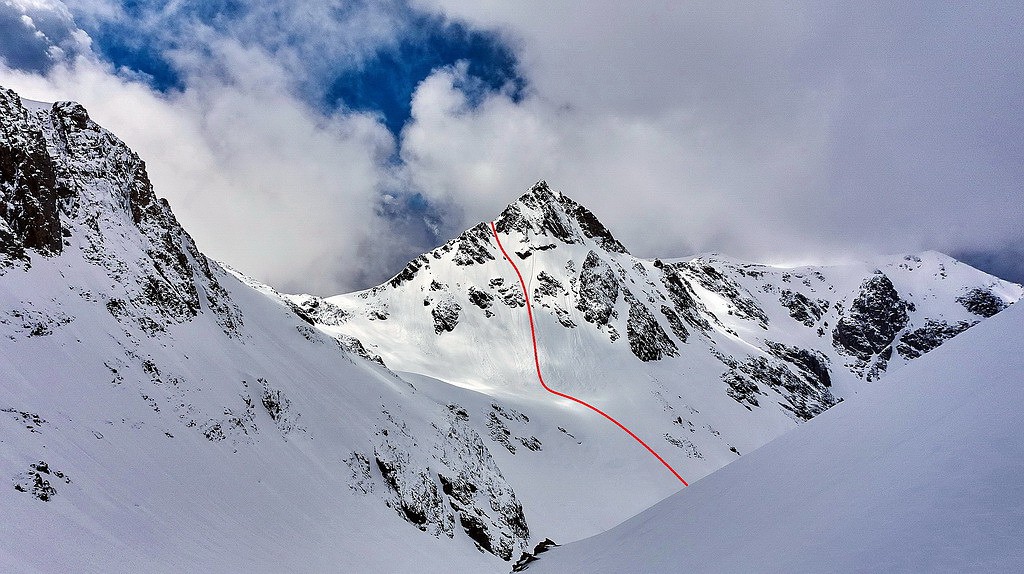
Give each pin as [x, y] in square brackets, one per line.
[921, 473]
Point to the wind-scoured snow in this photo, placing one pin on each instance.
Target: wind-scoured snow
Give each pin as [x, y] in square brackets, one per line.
[919, 473]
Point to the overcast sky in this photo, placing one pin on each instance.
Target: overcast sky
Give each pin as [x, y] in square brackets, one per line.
[319, 145]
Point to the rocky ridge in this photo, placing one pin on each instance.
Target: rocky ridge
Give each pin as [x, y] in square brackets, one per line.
[119, 331]
[789, 342]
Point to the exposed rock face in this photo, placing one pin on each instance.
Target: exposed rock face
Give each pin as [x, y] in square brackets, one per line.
[675, 323]
[511, 294]
[487, 507]
[481, 299]
[410, 271]
[317, 310]
[446, 315]
[467, 488]
[522, 564]
[647, 339]
[874, 318]
[598, 290]
[472, 247]
[549, 293]
[37, 481]
[813, 364]
[981, 301]
[64, 178]
[683, 298]
[803, 388]
[498, 421]
[741, 303]
[802, 308]
[29, 190]
[546, 213]
[919, 341]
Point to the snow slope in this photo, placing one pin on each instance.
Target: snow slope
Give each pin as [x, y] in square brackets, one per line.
[705, 358]
[921, 473]
[160, 412]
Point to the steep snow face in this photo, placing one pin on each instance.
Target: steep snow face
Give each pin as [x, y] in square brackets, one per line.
[159, 413]
[706, 358]
[920, 473]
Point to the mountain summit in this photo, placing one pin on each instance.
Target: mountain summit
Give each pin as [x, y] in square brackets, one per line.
[546, 213]
[708, 357]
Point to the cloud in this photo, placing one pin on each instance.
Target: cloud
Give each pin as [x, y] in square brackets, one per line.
[807, 131]
[302, 195]
[766, 131]
[259, 179]
[632, 129]
[38, 34]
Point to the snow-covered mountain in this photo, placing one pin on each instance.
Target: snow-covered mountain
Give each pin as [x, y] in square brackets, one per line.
[707, 358]
[919, 474]
[158, 413]
[161, 412]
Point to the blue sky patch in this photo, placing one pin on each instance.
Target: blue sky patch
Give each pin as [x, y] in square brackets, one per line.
[386, 83]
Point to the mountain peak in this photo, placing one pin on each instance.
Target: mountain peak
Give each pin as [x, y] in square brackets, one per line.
[68, 186]
[543, 211]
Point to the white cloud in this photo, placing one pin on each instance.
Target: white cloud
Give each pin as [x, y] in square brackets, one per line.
[762, 130]
[801, 131]
[259, 179]
[669, 182]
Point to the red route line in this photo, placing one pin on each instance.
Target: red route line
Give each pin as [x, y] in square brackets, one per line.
[540, 377]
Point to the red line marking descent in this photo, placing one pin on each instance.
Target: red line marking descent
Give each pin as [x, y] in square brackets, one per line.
[540, 377]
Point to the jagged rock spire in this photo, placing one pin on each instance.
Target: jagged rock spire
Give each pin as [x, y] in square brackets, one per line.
[29, 217]
[546, 212]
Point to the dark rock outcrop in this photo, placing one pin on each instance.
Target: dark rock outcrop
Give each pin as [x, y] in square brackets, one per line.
[65, 179]
[802, 308]
[647, 339]
[804, 390]
[813, 364]
[741, 303]
[36, 481]
[543, 212]
[874, 318]
[549, 293]
[675, 323]
[597, 290]
[481, 299]
[682, 296]
[410, 271]
[472, 247]
[919, 341]
[523, 563]
[29, 189]
[446, 315]
[982, 302]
